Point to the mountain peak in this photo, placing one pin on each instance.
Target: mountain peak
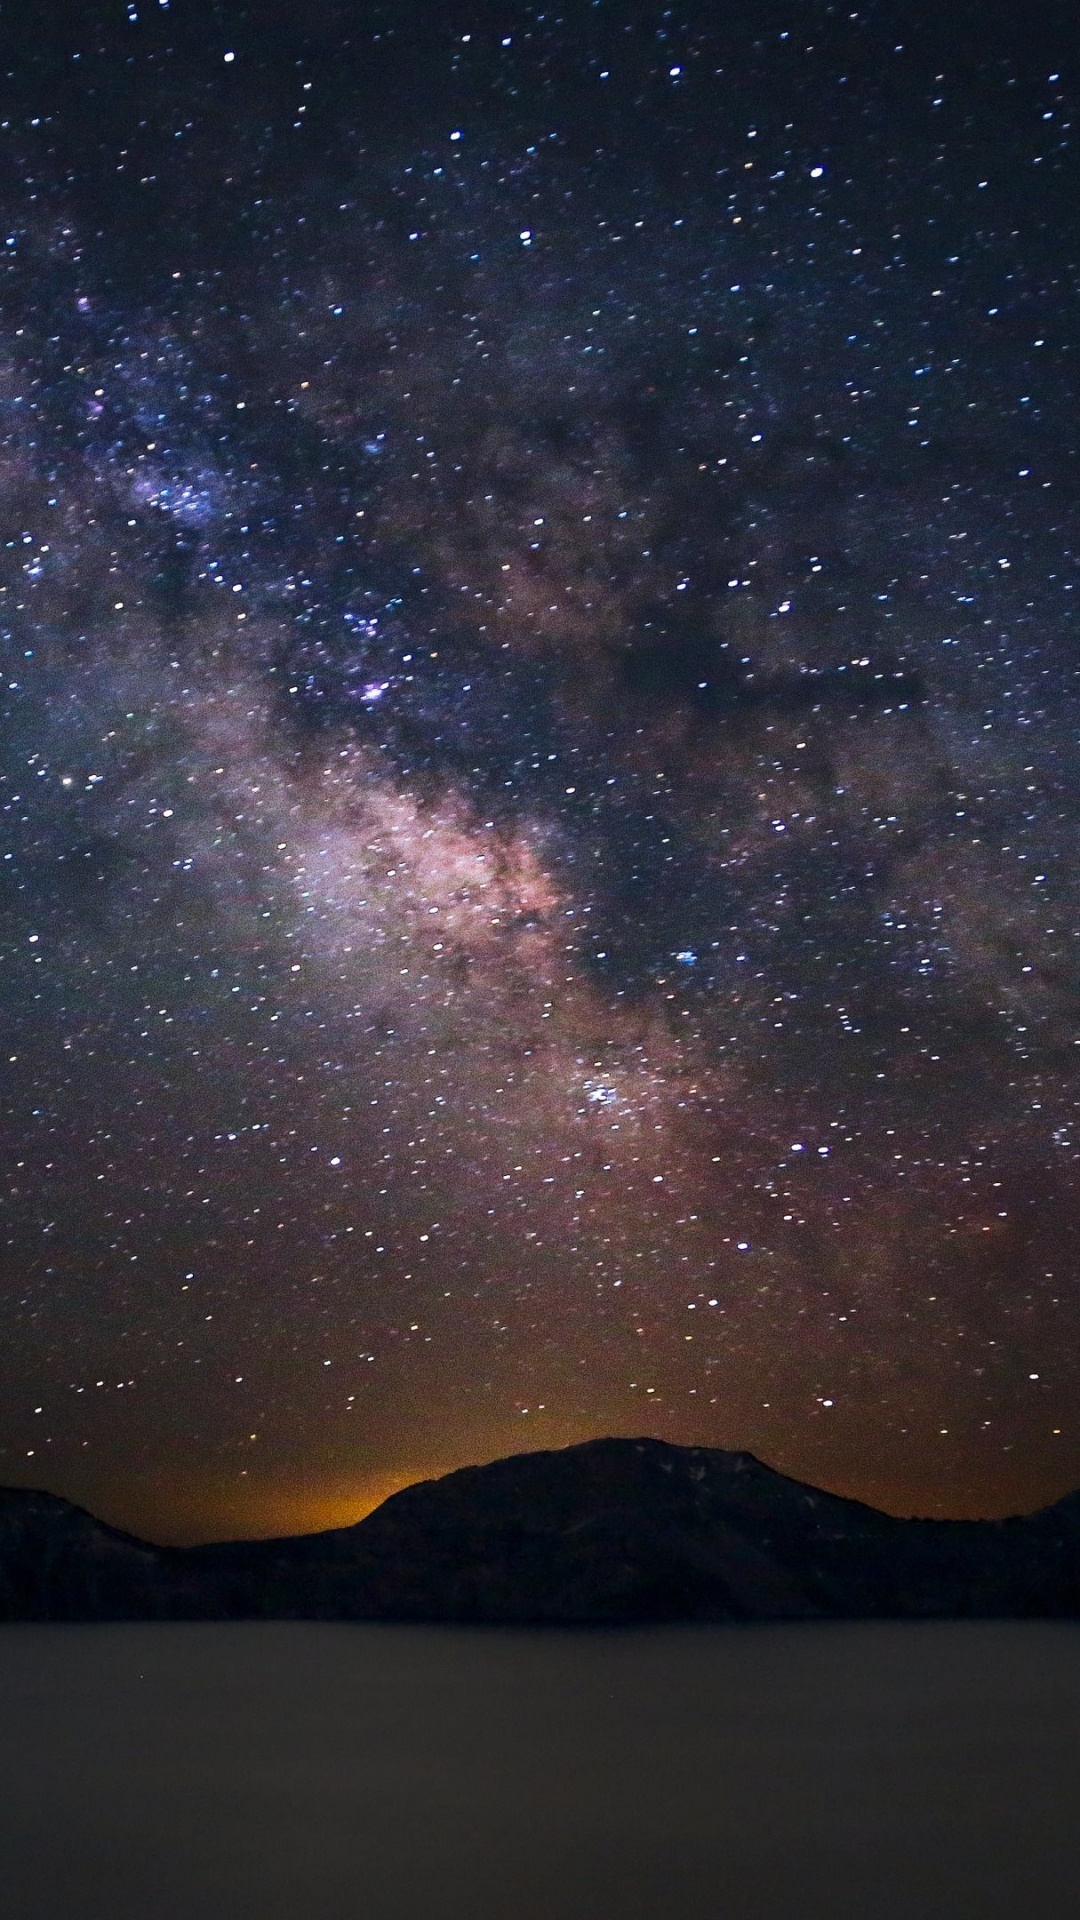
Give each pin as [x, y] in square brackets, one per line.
[606, 1531]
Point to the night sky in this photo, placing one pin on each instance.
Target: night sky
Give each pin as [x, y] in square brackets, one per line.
[540, 760]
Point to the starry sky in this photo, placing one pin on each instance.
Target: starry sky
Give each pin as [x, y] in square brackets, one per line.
[539, 771]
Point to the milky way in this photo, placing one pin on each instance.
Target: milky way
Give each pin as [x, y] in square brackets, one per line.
[539, 771]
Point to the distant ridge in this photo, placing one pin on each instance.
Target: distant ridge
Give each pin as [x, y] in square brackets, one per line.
[608, 1532]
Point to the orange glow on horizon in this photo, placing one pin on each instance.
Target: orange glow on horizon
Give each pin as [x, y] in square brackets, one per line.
[182, 1513]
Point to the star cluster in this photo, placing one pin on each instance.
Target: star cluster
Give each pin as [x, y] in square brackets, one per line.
[539, 777]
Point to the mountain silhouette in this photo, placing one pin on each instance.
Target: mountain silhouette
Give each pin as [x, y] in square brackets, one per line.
[608, 1532]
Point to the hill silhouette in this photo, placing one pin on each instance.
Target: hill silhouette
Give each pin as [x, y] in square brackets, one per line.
[607, 1532]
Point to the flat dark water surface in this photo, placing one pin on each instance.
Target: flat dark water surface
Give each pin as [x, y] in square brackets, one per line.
[295, 1772]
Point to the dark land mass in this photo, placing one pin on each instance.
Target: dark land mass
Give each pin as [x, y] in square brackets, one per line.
[610, 1532]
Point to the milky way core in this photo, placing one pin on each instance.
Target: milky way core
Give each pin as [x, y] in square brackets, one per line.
[539, 776]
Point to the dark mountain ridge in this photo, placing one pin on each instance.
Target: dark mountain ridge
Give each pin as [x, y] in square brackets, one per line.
[608, 1532]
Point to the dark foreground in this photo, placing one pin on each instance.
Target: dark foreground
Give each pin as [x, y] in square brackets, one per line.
[329, 1772]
